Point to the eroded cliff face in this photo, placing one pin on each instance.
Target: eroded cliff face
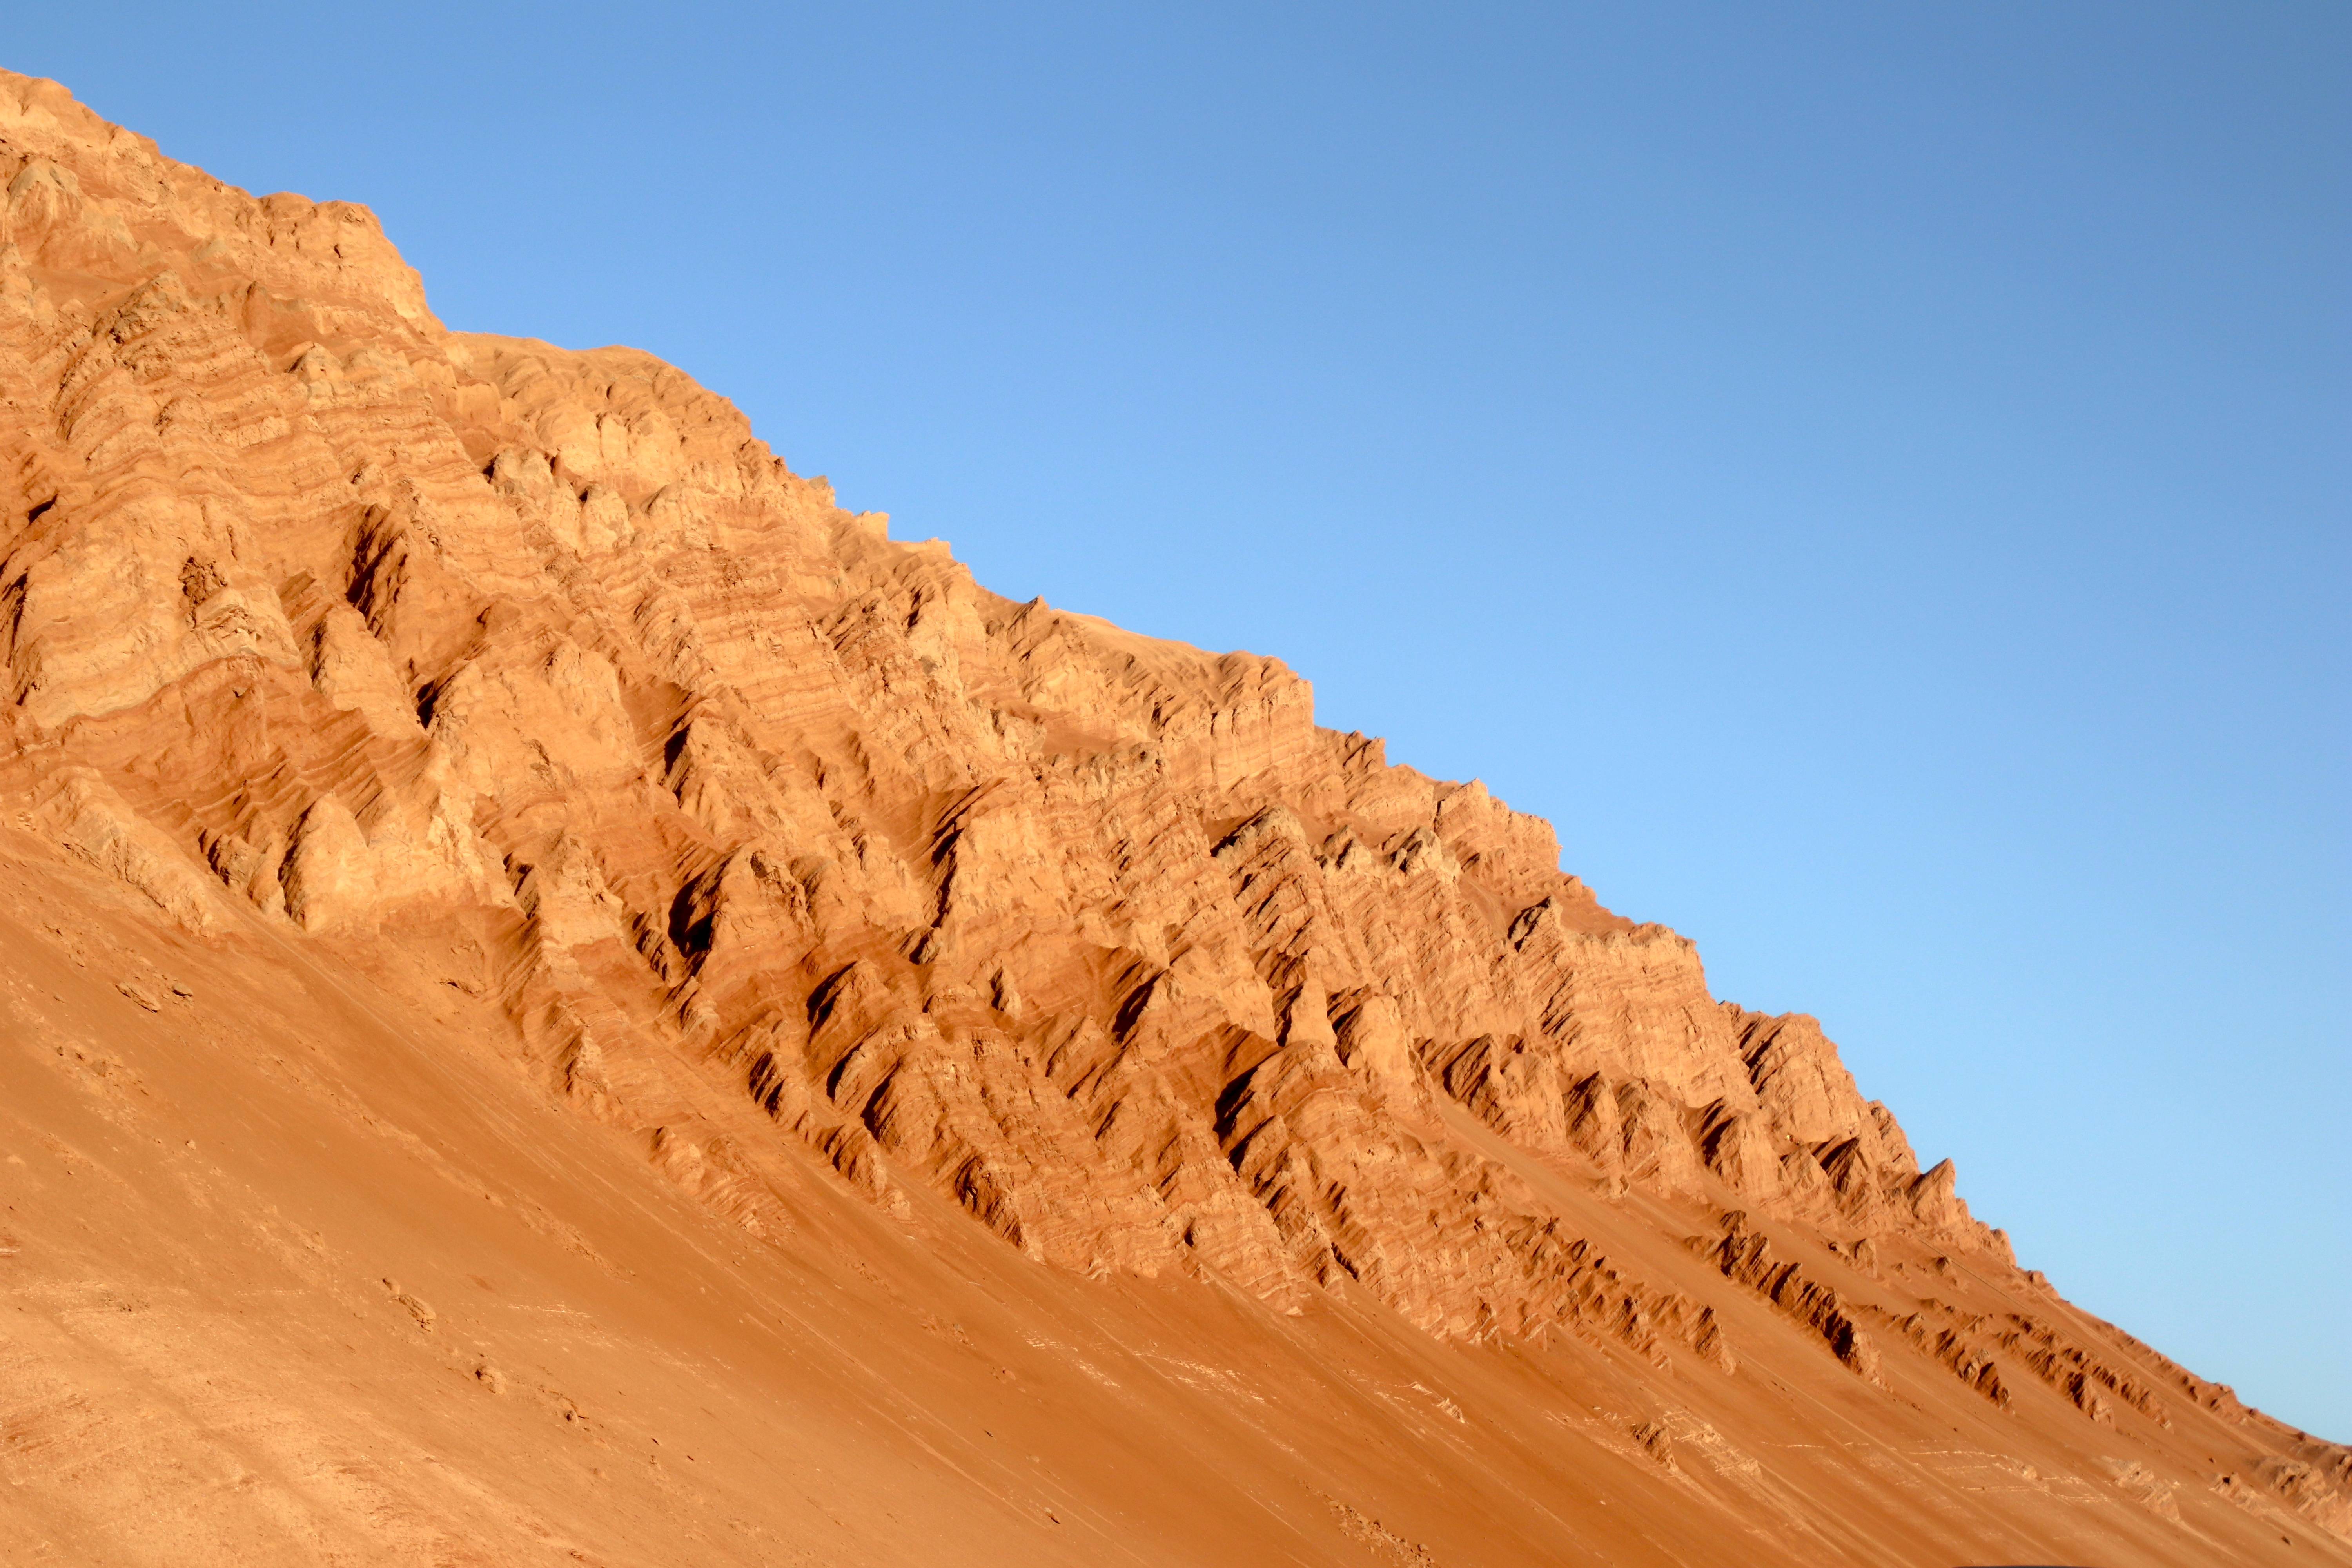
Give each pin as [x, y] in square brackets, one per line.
[776, 841]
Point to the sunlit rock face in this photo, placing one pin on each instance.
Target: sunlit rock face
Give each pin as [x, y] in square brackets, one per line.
[770, 843]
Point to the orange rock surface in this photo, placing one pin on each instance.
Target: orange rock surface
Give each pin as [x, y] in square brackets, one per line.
[567, 999]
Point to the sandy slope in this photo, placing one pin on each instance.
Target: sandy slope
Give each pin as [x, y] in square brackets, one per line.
[298, 1270]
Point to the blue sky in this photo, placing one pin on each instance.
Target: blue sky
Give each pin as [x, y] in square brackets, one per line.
[1874, 476]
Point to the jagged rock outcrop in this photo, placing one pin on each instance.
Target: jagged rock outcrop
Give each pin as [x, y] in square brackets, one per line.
[383, 625]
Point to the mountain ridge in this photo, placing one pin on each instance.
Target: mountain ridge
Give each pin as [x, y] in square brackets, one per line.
[806, 870]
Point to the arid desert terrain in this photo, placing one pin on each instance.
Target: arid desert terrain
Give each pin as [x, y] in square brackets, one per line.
[565, 999]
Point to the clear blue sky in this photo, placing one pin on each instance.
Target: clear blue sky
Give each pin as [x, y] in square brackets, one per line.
[1876, 476]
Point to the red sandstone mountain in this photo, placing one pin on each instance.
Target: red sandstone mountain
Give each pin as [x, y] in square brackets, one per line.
[568, 999]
